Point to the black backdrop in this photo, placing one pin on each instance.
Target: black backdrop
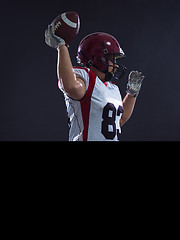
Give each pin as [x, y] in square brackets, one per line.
[31, 106]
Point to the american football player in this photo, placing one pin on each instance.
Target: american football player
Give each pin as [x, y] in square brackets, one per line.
[96, 111]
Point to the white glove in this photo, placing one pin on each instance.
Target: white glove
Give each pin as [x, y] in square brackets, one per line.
[134, 83]
[51, 39]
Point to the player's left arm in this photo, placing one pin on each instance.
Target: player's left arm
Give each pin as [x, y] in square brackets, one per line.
[133, 87]
[128, 105]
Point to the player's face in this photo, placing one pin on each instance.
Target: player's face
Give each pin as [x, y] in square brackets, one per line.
[111, 59]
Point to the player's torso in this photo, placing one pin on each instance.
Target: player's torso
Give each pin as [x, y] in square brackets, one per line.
[105, 112]
[97, 116]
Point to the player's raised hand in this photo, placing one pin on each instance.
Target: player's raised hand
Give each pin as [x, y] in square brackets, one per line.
[51, 39]
[134, 83]
[62, 30]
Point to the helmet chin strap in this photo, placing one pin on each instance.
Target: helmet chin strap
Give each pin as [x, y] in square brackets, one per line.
[116, 75]
[108, 76]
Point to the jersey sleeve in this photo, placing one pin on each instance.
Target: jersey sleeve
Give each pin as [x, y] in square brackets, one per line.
[82, 73]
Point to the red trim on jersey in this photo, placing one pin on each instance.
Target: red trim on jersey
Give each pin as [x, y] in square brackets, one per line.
[113, 83]
[77, 67]
[86, 103]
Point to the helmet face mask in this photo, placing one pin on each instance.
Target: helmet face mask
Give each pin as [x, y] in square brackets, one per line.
[102, 51]
[114, 63]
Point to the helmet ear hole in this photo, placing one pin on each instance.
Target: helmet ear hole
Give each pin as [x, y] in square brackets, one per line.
[95, 60]
[104, 60]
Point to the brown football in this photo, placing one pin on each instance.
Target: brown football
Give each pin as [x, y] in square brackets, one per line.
[67, 26]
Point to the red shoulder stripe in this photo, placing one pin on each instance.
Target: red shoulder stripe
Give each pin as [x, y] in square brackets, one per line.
[77, 67]
[86, 104]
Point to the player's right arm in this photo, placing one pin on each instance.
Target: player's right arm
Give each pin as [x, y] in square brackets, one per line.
[73, 86]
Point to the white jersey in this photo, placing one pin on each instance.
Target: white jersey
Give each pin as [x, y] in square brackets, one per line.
[96, 117]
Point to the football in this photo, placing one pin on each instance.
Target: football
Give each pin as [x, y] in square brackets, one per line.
[67, 26]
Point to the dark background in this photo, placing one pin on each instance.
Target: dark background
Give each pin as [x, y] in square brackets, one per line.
[32, 108]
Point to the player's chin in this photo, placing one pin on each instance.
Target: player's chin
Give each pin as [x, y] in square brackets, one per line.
[110, 70]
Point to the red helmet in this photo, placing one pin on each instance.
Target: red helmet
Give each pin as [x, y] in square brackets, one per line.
[96, 49]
